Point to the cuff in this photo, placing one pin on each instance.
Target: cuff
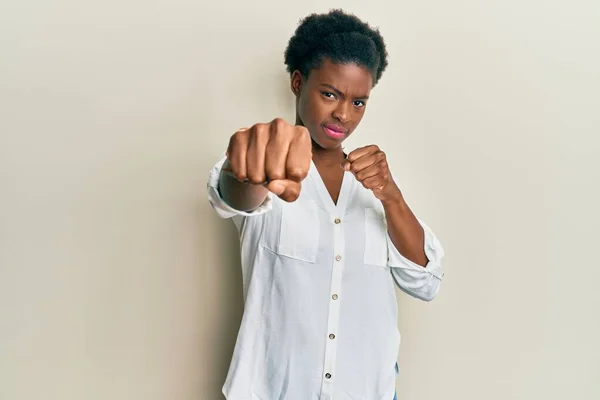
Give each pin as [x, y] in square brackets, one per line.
[433, 250]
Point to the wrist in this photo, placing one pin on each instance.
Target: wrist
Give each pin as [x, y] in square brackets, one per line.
[396, 202]
[393, 197]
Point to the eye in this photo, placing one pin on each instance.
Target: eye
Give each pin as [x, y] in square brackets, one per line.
[359, 103]
[329, 95]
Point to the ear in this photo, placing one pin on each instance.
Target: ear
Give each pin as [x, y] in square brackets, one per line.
[296, 82]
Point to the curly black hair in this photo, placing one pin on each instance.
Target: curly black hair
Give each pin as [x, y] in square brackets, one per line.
[339, 36]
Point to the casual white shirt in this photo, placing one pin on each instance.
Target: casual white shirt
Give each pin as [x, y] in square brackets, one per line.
[320, 311]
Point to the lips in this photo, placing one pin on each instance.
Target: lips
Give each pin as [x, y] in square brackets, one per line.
[334, 131]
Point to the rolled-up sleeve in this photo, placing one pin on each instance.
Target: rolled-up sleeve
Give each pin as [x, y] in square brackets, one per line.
[223, 209]
[415, 280]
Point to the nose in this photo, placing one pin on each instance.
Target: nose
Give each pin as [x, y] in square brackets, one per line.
[341, 112]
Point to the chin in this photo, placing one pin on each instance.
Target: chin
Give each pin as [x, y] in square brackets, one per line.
[326, 142]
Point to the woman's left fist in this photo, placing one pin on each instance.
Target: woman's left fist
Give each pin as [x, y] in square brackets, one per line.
[369, 166]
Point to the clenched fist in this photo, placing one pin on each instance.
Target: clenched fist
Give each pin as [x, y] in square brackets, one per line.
[274, 154]
[369, 166]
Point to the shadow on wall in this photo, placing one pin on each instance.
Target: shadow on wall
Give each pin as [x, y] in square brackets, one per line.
[221, 292]
[222, 300]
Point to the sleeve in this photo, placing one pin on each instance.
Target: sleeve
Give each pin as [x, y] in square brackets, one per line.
[223, 209]
[420, 282]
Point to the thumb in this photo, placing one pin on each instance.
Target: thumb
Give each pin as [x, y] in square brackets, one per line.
[346, 165]
[285, 189]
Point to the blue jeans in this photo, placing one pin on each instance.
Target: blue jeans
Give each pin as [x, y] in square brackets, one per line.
[397, 372]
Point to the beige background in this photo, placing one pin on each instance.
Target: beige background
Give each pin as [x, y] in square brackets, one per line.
[117, 281]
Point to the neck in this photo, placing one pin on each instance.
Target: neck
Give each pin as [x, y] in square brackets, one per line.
[327, 157]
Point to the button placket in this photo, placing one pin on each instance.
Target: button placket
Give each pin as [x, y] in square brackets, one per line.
[334, 307]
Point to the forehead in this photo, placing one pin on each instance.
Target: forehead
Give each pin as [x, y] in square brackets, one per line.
[348, 78]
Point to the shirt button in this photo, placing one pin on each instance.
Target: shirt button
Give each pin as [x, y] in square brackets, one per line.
[331, 336]
[328, 375]
[338, 258]
[335, 297]
[337, 220]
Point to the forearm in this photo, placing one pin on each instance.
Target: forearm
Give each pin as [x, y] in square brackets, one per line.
[405, 230]
[242, 196]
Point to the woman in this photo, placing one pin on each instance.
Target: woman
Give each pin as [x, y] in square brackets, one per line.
[324, 235]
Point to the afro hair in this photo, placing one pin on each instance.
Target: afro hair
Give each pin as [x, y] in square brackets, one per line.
[339, 36]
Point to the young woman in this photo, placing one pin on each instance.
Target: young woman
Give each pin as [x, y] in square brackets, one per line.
[324, 235]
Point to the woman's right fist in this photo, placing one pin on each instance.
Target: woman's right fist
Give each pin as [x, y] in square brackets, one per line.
[275, 154]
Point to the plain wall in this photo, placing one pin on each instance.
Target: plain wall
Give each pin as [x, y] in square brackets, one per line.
[117, 280]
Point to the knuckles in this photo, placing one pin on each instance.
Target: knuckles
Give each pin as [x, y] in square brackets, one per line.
[274, 175]
[239, 176]
[239, 137]
[302, 133]
[297, 173]
[277, 127]
[256, 178]
[274, 137]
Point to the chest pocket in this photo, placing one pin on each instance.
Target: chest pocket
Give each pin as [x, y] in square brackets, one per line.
[376, 247]
[293, 230]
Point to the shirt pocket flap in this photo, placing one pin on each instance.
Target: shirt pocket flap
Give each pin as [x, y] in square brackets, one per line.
[298, 233]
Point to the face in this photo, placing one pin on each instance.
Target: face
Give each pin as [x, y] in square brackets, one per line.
[331, 102]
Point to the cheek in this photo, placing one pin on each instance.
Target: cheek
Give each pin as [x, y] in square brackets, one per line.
[312, 110]
[357, 117]
[304, 107]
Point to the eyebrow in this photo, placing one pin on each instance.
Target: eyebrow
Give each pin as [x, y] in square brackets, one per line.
[340, 93]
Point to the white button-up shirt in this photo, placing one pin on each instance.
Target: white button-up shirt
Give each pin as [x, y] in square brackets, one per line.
[320, 311]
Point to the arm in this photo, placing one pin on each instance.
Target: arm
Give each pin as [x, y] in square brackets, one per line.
[404, 229]
[414, 252]
[369, 166]
[273, 157]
